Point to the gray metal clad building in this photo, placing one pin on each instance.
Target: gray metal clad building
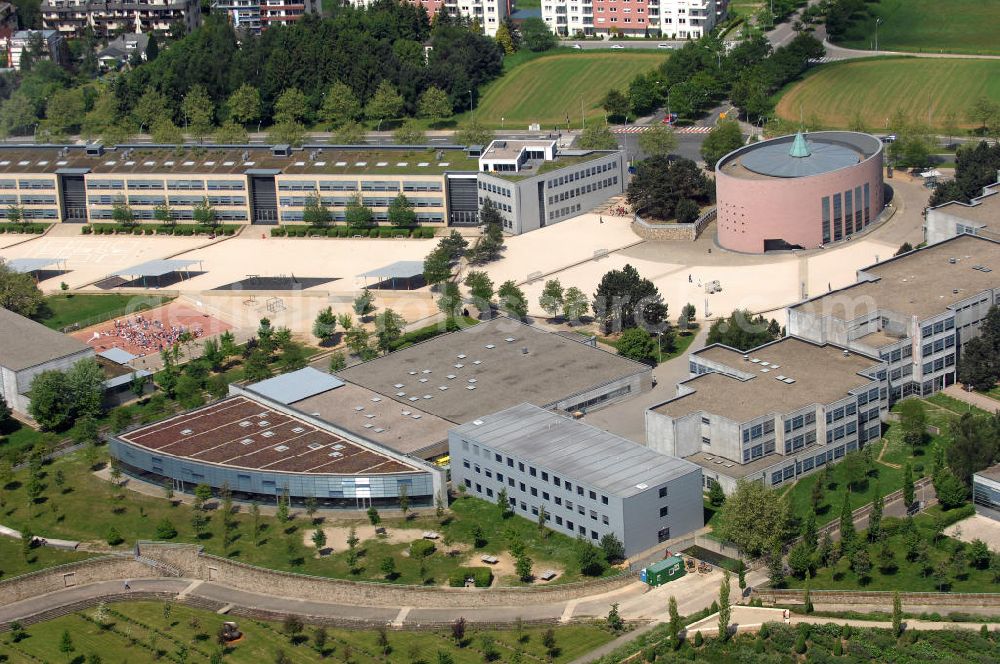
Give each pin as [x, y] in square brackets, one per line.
[590, 482]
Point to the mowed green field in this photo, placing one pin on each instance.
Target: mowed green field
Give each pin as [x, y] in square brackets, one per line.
[955, 26]
[548, 89]
[927, 90]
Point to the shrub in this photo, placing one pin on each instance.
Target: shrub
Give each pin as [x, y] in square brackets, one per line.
[114, 537]
[229, 231]
[277, 231]
[385, 232]
[372, 233]
[86, 230]
[482, 577]
[343, 231]
[421, 548]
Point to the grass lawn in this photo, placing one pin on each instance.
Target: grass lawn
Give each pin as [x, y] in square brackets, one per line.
[13, 563]
[64, 310]
[141, 631]
[925, 90]
[550, 88]
[85, 510]
[956, 26]
[906, 575]
[952, 404]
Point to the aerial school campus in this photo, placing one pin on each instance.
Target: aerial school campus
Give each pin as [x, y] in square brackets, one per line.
[429, 333]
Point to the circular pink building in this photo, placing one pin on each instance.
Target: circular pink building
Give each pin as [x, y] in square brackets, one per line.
[798, 192]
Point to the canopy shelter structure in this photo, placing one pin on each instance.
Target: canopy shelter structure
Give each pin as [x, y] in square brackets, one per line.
[36, 266]
[157, 269]
[401, 275]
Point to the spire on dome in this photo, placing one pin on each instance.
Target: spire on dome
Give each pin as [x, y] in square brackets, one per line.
[799, 146]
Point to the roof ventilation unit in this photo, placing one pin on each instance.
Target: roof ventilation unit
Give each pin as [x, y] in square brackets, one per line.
[283, 150]
[847, 353]
[95, 150]
[524, 350]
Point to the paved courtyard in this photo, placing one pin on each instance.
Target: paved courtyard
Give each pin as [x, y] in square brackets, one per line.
[977, 527]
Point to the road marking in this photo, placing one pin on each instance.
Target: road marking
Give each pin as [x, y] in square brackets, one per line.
[567, 613]
[638, 129]
[187, 591]
[401, 616]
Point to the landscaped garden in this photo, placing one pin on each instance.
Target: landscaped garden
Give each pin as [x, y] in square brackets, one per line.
[173, 632]
[85, 309]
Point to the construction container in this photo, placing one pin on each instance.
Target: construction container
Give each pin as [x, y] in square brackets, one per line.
[665, 571]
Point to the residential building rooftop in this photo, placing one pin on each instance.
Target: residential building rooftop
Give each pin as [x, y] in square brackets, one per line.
[571, 448]
[920, 283]
[783, 376]
[25, 343]
[983, 209]
[489, 367]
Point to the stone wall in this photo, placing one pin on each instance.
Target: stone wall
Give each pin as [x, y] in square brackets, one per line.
[107, 568]
[672, 231]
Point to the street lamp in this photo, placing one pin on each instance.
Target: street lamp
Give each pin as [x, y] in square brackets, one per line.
[877, 21]
[471, 112]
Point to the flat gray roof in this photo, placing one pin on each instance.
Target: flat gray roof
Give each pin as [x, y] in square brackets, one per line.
[25, 343]
[573, 449]
[397, 270]
[920, 283]
[25, 265]
[991, 473]
[296, 385]
[118, 355]
[483, 369]
[156, 268]
[821, 374]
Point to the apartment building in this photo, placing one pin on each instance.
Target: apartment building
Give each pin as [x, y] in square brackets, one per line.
[913, 311]
[52, 44]
[671, 19]
[253, 16]
[106, 19]
[772, 414]
[488, 13]
[533, 184]
[588, 482]
[980, 216]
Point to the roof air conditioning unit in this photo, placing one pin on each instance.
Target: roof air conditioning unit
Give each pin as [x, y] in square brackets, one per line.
[281, 150]
[95, 150]
[846, 353]
[524, 351]
[952, 261]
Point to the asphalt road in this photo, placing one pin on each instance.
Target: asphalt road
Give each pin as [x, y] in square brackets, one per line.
[626, 44]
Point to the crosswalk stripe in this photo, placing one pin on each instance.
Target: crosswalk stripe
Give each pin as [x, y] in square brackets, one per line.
[641, 128]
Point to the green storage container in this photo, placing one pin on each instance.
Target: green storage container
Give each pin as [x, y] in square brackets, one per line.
[665, 571]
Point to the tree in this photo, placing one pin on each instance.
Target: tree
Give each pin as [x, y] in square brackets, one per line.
[775, 568]
[244, 104]
[165, 132]
[637, 344]
[385, 103]
[616, 104]
[409, 133]
[951, 492]
[505, 40]
[481, 289]
[847, 533]
[551, 299]
[204, 214]
[624, 300]
[490, 244]
[401, 214]
[522, 566]
[121, 212]
[512, 300]
[536, 35]
[373, 516]
[473, 133]
[66, 643]
[325, 325]
[319, 539]
[164, 214]
[913, 422]
[715, 495]
[458, 630]
[975, 444]
[660, 183]
[291, 106]
[287, 133]
[725, 610]
[861, 563]
[575, 304]
[658, 140]
[614, 550]
[687, 211]
[908, 496]
[978, 365]
[19, 292]
[198, 111]
[984, 111]
[743, 331]
[363, 304]
[723, 139]
[58, 398]
[875, 517]
[503, 507]
[450, 301]
[357, 214]
[434, 104]
[315, 212]
[676, 624]
[340, 106]
[589, 558]
[753, 517]
[437, 266]
[596, 137]
[404, 500]
[114, 537]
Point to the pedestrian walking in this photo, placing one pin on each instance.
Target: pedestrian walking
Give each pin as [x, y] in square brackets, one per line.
[127, 586]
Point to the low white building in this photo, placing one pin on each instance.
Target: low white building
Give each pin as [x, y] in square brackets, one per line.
[488, 13]
[53, 46]
[26, 350]
[669, 19]
[980, 216]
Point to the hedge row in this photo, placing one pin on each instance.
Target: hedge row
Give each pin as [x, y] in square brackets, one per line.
[344, 231]
[28, 229]
[483, 577]
[157, 229]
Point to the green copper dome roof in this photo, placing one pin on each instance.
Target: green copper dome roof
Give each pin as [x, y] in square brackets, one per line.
[799, 146]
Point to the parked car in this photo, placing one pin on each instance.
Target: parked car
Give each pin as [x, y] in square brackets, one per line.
[617, 46]
[576, 46]
[664, 46]
[891, 138]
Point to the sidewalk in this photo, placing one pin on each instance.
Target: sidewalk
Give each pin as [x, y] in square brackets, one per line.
[989, 404]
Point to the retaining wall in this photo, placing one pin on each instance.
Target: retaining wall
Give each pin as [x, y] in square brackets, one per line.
[108, 568]
[672, 231]
[882, 598]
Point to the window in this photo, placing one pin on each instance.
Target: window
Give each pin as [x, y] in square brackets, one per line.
[663, 534]
[593, 495]
[604, 519]
[663, 492]
[604, 500]
[534, 491]
[532, 472]
[664, 511]
[545, 476]
[558, 500]
[593, 515]
[579, 490]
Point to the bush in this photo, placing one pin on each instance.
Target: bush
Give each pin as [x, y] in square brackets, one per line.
[421, 548]
[482, 576]
[114, 537]
[229, 231]
[277, 231]
[86, 230]
[343, 231]
[372, 233]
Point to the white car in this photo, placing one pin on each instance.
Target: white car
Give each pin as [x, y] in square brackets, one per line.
[664, 46]
[576, 46]
[617, 47]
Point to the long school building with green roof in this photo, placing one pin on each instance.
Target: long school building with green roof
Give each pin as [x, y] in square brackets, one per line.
[265, 185]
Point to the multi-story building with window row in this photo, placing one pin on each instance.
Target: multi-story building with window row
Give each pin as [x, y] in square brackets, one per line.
[488, 13]
[253, 16]
[256, 185]
[671, 19]
[980, 216]
[588, 482]
[774, 413]
[913, 311]
[106, 19]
